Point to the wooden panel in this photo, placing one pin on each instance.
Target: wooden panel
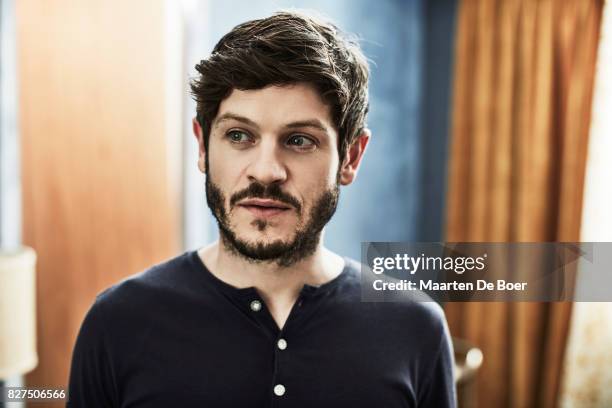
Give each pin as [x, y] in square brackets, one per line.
[98, 203]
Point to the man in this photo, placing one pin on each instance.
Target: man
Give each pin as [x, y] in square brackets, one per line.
[267, 316]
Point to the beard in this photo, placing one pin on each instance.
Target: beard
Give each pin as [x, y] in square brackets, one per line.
[284, 253]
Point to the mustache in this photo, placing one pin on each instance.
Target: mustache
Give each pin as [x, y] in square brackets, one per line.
[272, 191]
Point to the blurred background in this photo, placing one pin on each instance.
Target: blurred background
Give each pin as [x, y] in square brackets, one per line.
[490, 120]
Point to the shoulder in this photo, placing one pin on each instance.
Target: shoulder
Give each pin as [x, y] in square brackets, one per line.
[413, 310]
[169, 279]
[116, 326]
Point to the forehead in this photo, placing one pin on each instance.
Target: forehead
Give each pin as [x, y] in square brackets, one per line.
[278, 105]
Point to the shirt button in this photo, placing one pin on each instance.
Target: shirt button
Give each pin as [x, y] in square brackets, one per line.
[256, 305]
[282, 344]
[279, 390]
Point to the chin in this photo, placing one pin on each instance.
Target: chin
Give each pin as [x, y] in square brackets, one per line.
[265, 237]
[258, 229]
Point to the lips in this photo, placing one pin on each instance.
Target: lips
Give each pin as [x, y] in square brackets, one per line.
[264, 208]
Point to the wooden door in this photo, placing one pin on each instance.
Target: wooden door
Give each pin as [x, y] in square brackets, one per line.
[100, 195]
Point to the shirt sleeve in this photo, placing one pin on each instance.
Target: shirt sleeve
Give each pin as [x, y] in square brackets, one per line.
[91, 382]
[439, 388]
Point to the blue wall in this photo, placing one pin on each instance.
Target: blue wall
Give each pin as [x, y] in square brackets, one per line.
[399, 192]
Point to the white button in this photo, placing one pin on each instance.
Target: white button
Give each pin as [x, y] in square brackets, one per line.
[282, 344]
[279, 390]
[256, 305]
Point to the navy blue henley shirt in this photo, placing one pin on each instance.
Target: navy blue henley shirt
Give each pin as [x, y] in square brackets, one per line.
[177, 336]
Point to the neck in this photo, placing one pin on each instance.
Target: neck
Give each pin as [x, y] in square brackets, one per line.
[279, 286]
[268, 277]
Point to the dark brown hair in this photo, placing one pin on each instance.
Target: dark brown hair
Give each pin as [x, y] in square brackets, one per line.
[282, 49]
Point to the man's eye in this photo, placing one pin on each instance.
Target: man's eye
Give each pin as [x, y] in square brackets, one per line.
[237, 136]
[301, 141]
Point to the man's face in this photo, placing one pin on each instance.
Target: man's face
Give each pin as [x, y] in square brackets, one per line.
[272, 172]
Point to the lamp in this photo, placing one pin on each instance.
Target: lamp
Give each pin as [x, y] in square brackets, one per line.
[17, 312]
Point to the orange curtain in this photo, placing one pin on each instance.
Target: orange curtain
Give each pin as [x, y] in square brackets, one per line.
[521, 108]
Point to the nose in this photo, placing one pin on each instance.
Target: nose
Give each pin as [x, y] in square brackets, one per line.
[267, 167]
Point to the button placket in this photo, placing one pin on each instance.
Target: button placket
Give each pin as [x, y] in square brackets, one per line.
[280, 353]
[280, 363]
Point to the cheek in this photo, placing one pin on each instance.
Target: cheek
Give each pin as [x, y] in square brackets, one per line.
[314, 178]
[224, 167]
[330, 171]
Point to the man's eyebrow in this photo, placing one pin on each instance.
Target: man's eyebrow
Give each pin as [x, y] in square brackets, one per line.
[313, 123]
[233, 116]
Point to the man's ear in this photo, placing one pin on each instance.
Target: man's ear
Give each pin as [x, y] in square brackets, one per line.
[353, 156]
[199, 135]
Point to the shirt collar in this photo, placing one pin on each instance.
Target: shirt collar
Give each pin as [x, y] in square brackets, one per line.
[251, 292]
